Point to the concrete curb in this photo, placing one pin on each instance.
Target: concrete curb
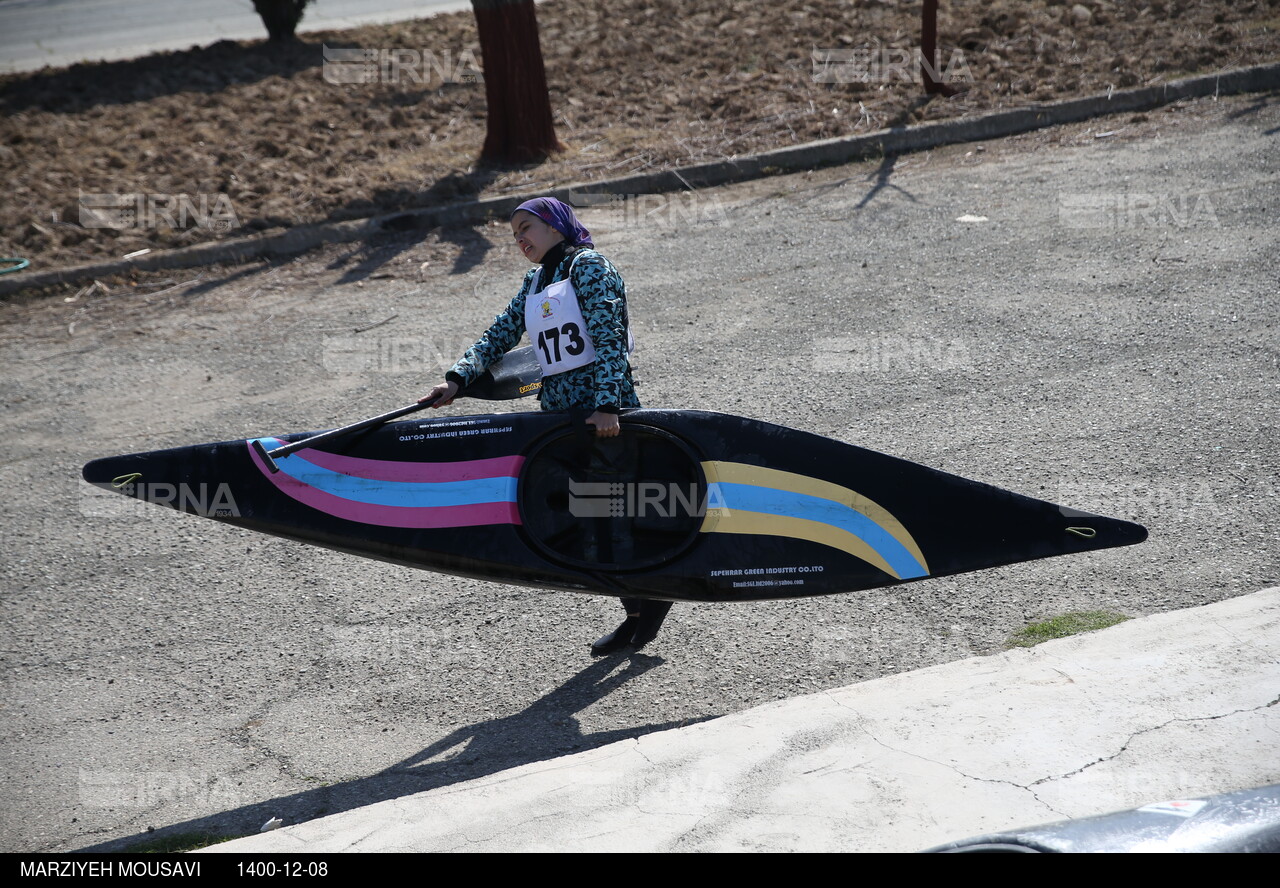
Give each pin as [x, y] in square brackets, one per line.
[828, 152]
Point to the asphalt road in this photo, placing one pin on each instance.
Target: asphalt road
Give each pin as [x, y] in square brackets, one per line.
[34, 33]
[1086, 314]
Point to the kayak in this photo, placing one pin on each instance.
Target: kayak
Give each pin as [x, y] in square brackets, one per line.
[682, 505]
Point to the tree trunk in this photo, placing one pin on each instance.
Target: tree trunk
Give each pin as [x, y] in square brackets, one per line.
[929, 51]
[281, 17]
[520, 126]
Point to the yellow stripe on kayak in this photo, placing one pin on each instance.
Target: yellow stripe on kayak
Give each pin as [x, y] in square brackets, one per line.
[721, 520]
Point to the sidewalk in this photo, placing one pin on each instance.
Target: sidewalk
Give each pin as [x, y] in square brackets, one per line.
[1172, 706]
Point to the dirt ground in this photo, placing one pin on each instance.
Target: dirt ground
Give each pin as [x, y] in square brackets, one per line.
[261, 138]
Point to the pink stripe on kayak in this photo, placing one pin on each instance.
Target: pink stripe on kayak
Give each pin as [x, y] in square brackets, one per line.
[390, 516]
[420, 472]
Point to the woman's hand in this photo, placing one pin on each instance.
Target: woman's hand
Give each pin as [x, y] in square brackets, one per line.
[445, 391]
[607, 424]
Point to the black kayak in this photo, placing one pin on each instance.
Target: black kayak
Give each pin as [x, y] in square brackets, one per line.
[683, 505]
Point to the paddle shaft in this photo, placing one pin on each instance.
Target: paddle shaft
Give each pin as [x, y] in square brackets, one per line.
[515, 376]
[347, 430]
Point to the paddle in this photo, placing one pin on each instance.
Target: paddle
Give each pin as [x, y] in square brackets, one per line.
[515, 376]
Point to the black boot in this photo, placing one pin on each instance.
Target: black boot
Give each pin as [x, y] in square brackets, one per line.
[617, 639]
[644, 619]
[652, 613]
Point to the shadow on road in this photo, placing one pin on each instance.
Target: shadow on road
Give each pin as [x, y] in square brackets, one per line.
[370, 255]
[545, 730]
[889, 161]
[1259, 102]
[208, 69]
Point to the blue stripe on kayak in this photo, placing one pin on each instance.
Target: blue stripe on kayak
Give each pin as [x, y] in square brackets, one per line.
[787, 503]
[501, 489]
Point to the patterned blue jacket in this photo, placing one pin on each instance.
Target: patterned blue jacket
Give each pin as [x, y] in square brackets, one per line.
[604, 384]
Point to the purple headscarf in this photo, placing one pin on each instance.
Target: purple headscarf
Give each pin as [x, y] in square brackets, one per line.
[558, 215]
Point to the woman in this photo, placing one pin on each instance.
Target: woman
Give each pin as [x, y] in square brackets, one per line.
[573, 304]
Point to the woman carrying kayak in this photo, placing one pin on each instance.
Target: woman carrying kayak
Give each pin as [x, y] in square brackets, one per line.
[573, 305]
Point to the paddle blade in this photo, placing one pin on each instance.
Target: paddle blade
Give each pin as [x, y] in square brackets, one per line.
[517, 375]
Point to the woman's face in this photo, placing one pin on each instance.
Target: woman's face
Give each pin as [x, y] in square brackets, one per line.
[533, 236]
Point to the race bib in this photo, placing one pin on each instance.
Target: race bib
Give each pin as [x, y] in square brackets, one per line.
[554, 322]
